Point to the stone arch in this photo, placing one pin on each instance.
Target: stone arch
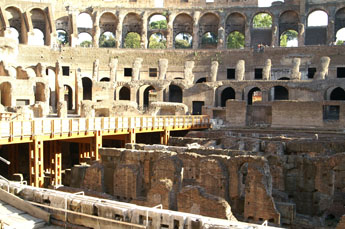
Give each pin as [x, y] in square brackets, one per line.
[288, 22]
[84, 22]
[68, 96]
[279, 93]
[16, 20]
[316, 31]
[339, 23]
[261, 32]
[87, 88]
[6, 94]
[175, 94]
[146, 95]
[40, 22]
[208, 30]
[62, 26]
[235, 22]
[254, 95]
[337, 94]
[84, 39]
[125, 93]
[108, 23]
[183, 24]
[132, 23]
[227, 93]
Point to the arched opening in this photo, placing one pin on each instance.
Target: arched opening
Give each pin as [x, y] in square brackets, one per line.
[132, 40]
[340, 26]
[183, 41]
[254, 95]
[316, 31]
[41, 28]
[40, 92]
[87, 88]
[6, 94]
[227, 93]
[158, 22]
[105, 79]
[209, 40]
[125, 93]
[84, 40]
[289, 39]
[38, 38]
[262, 21]
[175, 94]
[208, 30]
[201, 80]
[340, 37]
[157, 41]
[262, 29]
[235, 40]
[337, 94]
[107, 40]
[108, 25]
[84, 21]
[279, 93]
[62, 37]
[146, 95]
[182, 29]
[68, 96]
[16, 21]
[132, 24]
[288, 27]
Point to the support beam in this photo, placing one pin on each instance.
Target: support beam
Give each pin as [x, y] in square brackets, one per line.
[131, 137]
[165, 137]
[55, 163]
[96, 143]
[36, 163]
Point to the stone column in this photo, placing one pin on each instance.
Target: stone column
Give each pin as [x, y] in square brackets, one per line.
[196, 29]
[133, 91]
[301, 32]
[113, 69]
[188, 72]
[96, 31]
[275, 31]
[52, 28]
[136, 68]
[295, 73]
[322, 70]
[30, 32]
[240, 70]
[247, 34]
[214, 71]
[95, 71]
[330, 30]
[170, 32]
[144, 32]
[118, 36]
[264, 94]
[163, 68]
[73, 37]
[221, 38]
[266, 71]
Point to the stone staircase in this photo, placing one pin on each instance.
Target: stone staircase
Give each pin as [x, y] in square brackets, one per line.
[11, 217]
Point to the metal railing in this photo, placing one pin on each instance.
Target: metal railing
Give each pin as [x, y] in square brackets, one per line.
[47, 126]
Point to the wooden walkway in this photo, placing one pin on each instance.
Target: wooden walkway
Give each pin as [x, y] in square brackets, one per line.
[88, 132]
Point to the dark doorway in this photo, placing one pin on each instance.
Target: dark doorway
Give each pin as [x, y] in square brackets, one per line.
[68, 95]
[87, 88]
[125, 93]
[175, 94]
[228, 93]
[146, 95]
[338, 94]
[281, 93]
[197, 107]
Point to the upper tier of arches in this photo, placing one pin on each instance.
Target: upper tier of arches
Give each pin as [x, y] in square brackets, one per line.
[196, 29]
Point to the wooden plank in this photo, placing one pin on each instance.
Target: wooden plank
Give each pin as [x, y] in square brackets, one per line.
[24, 206]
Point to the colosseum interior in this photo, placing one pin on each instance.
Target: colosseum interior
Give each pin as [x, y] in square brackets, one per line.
[172, 114]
